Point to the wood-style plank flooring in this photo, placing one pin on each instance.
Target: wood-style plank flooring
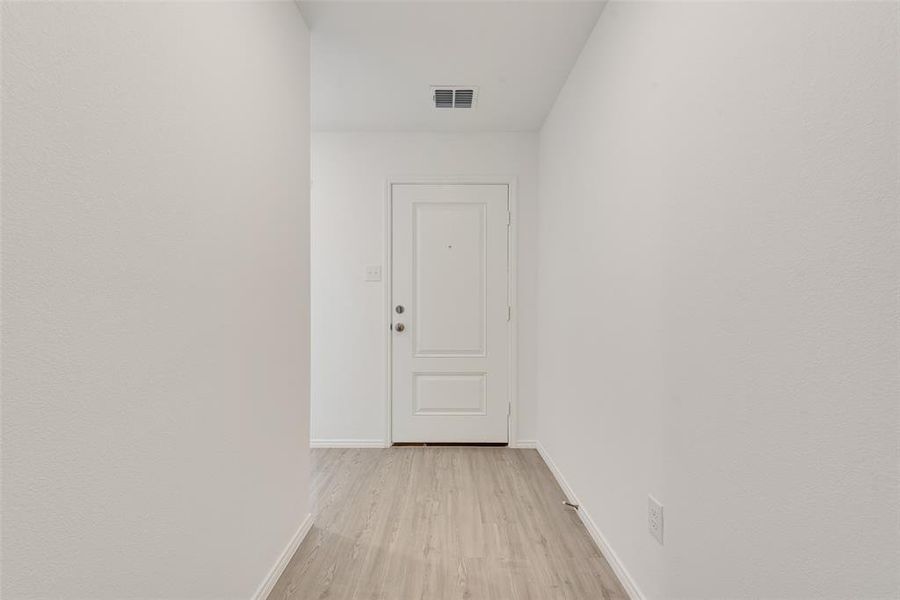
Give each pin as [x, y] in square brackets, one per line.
[442, 523]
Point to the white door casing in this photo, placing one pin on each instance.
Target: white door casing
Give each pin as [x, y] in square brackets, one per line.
[449, 272]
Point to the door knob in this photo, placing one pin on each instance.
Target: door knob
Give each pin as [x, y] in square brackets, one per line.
[399, 327]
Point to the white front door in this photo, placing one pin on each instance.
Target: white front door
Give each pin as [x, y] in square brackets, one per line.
[450, 313]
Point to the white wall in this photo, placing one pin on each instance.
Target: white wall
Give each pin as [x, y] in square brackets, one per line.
[718, 279]
[155, 291]
[349, 172]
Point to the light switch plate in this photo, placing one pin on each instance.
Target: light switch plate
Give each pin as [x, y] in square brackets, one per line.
[373, 273]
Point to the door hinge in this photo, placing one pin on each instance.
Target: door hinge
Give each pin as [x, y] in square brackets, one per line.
[509, 409]
[508, 312]
[508, 218]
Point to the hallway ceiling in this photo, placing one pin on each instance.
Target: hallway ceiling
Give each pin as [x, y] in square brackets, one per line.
[373, 63]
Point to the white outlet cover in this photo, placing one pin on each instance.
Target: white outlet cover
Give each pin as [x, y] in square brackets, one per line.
[373, 273]
[655, 518]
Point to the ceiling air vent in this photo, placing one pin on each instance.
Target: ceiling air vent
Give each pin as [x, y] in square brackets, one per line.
[443, 98]
[454, 97]
[463, 98]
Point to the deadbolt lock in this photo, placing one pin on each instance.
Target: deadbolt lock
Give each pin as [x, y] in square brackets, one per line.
[399, 309]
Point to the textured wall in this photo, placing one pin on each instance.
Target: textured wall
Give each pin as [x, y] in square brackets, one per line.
[718, 294]
[155, 293]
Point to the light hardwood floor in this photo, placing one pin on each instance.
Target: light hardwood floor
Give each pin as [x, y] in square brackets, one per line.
[442, 523]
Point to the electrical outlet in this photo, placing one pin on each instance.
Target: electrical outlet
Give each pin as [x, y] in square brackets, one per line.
[655, 518]
[373, 273]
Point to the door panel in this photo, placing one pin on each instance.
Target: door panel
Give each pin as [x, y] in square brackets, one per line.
[449, 394]
[449, 272]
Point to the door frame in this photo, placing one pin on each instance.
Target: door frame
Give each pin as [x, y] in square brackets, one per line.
[512, 327]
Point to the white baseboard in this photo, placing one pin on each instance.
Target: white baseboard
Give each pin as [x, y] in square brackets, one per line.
[612, 558]
[265, 588]
[320, 443]
[526, 444]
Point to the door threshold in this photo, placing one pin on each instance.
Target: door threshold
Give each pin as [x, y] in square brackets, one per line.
[476, 444]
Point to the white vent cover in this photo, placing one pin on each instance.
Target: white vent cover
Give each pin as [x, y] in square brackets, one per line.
[447, 97]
